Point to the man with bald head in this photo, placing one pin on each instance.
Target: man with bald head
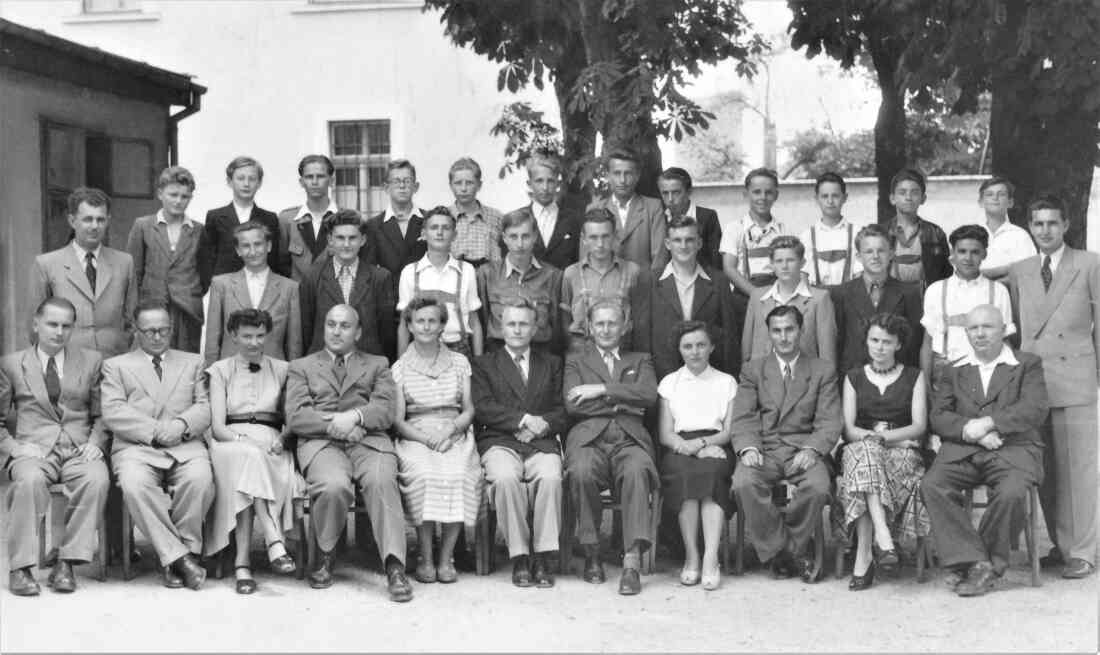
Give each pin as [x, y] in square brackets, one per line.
[339, 403]
[988, 410]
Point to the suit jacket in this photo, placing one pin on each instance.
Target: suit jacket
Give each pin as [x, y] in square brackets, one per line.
[312, 391]
[710, 233]
[134, 401]
[388, 249]
[807, 416]
[299, 247]
[102, 318]
[819, 334]
[631, 390]
[1016, 400]
[229, 293]
[564, 243]
[642, 239]
[655, 321]
[501, 399]
[853, 308]
[23, 395]
[221, 254]
[1062, 326]
[372, 296]
[167, 276]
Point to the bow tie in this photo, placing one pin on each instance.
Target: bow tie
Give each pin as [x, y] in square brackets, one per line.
[253, 367]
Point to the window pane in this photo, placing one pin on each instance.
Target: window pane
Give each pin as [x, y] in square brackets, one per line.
[377, 176]
[95, 6]
[347, 177]
[378, 137]
[347, 139]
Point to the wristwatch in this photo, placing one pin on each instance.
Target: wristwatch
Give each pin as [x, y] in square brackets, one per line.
[704, 440]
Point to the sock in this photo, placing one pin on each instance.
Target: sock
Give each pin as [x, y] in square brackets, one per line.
[631, 560]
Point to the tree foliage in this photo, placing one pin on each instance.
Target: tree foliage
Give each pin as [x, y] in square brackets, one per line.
[717, 154]
[618, 67]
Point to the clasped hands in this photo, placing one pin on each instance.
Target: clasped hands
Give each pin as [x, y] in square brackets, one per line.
[169, 433]
[442, 436]
[982, 432]
[344, 425]
[696, 448]
[583, 392]
[803, 460]
[531, 428]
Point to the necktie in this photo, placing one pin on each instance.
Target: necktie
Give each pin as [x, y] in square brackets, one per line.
[786, 377]
[876, 293]
[1047, 274]
[345, 282]
[519, 364]
[89, 269]
[609, 359]
[53, 382]
[338, 369]
[156, 367]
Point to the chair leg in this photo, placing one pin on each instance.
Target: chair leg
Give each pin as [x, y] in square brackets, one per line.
[819, 548]
[838, 564]
[102, 553]
[42, 542]
[724, 550]
[483, 545]
[656, 506]
[1031, 528]
[922, 556]
[127, 543]
[567, 534]
[739, 545]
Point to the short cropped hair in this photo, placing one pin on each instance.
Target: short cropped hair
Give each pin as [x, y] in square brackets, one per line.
[243, 162]
[784, 310]
[89, 196]
[1046, 200]
[464, 164]
[788, 242]
[687, 327]
[248, 226]
[440, 210]
[248, 318]
[176, 175]
[149, 305]
[681, 222]
[400, 164]
[421, 302]
[55, 301]
[607, 303]
[677, 174]
[622, 154]
[315, 159]
[975, 232]
[830, 177]
[600, 215]
[516, 219]
[347, 217]
[875, 230]
[762, 172]
[891, 324]
[519, 302]
[908, 175]
[548, 161]
[994, 181]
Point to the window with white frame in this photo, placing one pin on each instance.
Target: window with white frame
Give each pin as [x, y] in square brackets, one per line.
[110, 6]
[360, 151]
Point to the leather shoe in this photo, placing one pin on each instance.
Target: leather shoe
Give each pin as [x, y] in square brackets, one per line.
[398, 585]
[193, 574]
[21, 583]
[1052, 559]
[806, 570]
[521, 572]
[979, 580]
[446, 572]
[321, 577]
[630, 583]
[783, 566]
[954, 578]
[61, 578]
[1077, 568]
[593, 569]
[425, 571]
[171, 580]
[861, 582]
[541, 573]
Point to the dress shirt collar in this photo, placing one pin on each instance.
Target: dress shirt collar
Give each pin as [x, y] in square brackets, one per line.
[868, 281]
[587, 262]
[979, 281]
[690, 211]
[244, 212]
[1005, 225]
[1055, 257]
[163, 356]
[782, 362]
[802, 289]
[353, 267]
[842, 224]
[391, 214]
[509, 268]
[260, 276]
[1006, 356]
[771, 226]
[671, 270]
[58, 359]
[703, 376]
[538, 209]
[304, 211]
[424, 263]
[525, 353]
[622, 207]
[163, 218]
[603, 353]
[81, 252]
[475, 215]
[332, 356]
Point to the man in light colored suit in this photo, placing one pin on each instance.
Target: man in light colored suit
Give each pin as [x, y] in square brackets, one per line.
[255, 286]
[155, 402]
[642, 224]
[786, 419]
[302, 233]
[1057, 296]
[988, 409]
[608, 392]
[339, 403]
[98, 281]
[52, 389]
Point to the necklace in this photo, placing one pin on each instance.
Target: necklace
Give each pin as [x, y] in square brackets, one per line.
[884, 371]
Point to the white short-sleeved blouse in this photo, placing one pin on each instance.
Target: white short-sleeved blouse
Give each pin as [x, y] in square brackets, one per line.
[697, 402]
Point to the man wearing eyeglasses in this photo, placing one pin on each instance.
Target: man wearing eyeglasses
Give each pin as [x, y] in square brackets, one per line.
[393, 236]
[155, 402]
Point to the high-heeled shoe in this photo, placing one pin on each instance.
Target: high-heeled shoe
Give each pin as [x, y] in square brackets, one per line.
[861, 582]
[712, 578]
[245, 583]
[689, 577]
[281, 562]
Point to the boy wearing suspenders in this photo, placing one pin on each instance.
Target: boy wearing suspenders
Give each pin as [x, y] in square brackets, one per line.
[831, 259]
[746, 249]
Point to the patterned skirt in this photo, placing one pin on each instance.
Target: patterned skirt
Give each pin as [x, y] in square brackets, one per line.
[444, 487]
[892, 473]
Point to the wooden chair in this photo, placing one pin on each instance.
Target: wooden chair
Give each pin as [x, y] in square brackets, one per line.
[1031, 531]
[569, 528]
[58, 505]
[781, 494]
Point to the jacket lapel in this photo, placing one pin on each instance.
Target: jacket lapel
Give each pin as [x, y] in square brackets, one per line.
[239, 286]
[412, 234]
[1063, 277]
[322, 366]
[189, 238]
[891, 296]
[561, 228]
[667, 289]
[393, 235]
[172, 370]
[703, 290]
[272, 290]
[1002, 376]
[970, 382]
[74, 270]
[355, 370]
[106, 265]
[160, 232]
[330, 288]
[799, 384]
[633, 216]
[36, 382]
[594, 362]
[536, 378]
[511, 373]
[772, 382]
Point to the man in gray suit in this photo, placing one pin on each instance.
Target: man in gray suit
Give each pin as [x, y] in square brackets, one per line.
[339, 403]
[155, 402]
[642, 224]
[52, 389]
[98, 281]
[1057, 297]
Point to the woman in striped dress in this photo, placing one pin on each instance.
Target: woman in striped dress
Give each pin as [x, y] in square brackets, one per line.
[440, 473]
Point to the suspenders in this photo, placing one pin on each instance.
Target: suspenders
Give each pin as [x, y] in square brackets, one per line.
[847, 256]
[442, 296]
[943, 305]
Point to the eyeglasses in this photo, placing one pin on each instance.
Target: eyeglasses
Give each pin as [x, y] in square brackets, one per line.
[402, 182]
[151, 333]
[996, 195]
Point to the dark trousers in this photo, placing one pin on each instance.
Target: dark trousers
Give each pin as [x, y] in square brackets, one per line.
[957, 542]
[769, 531]
[616, 458]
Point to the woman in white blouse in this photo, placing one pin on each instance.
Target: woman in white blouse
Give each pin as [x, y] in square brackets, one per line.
[696, 413]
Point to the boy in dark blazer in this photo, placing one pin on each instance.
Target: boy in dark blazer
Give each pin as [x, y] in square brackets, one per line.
[245, 176]
[393, 236]
[675, 187]
[558, 228]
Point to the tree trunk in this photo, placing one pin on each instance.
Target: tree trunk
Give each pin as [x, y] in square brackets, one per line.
[890, 140]
[578, 137]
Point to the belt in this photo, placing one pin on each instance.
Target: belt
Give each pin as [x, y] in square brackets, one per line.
[696, 434]
[270, 419]
[907, 259]
[474, 262]
[832, 255]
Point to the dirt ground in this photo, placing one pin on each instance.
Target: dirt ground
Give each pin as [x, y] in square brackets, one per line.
[752, 613]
